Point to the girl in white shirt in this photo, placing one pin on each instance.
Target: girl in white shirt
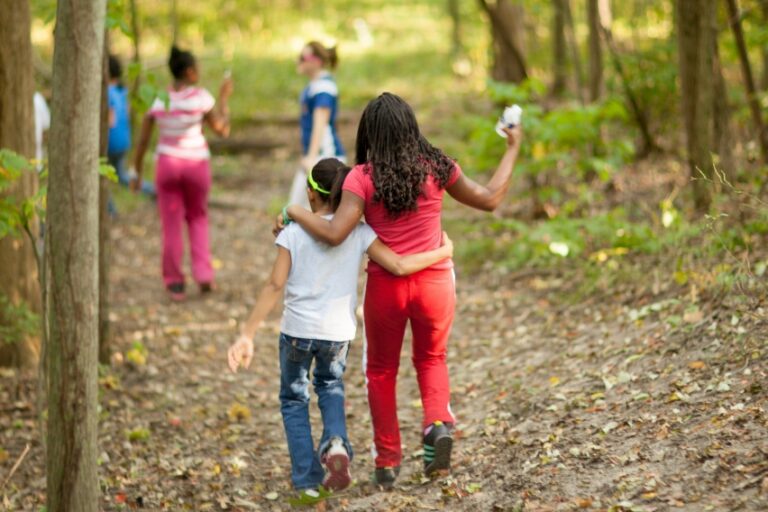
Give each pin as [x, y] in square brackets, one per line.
[320, 287]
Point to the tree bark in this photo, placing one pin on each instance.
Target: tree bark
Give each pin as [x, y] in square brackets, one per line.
[18, 266]
[73, 205]
[764, 51]
[559, 49]
[507, 29]
[104, 218]
[696, 30]
[749, 81]
[136, 39]
[721, 131]
[595, 50]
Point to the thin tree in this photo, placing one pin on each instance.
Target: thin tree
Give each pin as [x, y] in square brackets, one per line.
[73, 203]
[573, 43]
[595, 50]
[559, 49]
[136, 40]
[749, 82]
[648, 143]
[454, 11]
[104, 218]
[18, 270]
[764, 50]
[507, 31]
[696, 28]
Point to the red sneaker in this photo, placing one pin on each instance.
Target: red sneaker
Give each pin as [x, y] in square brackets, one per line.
[336, 462]
[176, 292]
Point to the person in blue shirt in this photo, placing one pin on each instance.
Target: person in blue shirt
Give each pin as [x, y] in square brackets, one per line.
[120, 127]
[319, 108]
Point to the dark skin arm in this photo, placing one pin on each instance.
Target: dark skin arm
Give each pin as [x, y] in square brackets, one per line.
[465, 190]
[490, 196]
[218, 118]
[334, 231]
[147, 125]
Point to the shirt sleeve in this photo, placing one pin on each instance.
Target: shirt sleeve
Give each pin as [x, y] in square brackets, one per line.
[366, 235]
[455, 176]
[284, 239]
[323, 100]
[355, 182]
[207, 101]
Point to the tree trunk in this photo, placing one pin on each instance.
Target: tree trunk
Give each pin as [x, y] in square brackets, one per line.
[696, 29]
[594, 21]
[454, 11]
[18, 266]
[559, 49]
[764, 79]
[722, 133]
[749, 81]
[73, 221]
[574, 45]
[507, 29]
[104, 218]
[136, 29]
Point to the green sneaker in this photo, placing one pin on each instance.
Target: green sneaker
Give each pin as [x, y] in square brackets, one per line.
[438, 444]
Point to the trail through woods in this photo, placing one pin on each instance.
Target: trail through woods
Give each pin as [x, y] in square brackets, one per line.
[562, 406]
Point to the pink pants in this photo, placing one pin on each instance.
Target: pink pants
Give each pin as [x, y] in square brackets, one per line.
[182, 195]
[427, 299]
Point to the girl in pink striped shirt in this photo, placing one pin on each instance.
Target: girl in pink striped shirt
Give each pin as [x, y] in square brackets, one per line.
[183, 168]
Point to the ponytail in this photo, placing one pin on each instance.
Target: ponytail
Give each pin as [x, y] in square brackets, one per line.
[329, 174]
[338, 186]
[328, 55]
[180, 61]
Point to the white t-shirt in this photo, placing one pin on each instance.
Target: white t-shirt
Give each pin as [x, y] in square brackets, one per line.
[321, 292]
[42, 124]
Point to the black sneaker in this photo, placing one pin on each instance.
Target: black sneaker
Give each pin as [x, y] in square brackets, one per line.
[438, 444]
[385, 477]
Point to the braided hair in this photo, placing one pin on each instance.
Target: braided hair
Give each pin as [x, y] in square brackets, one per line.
[399, 156]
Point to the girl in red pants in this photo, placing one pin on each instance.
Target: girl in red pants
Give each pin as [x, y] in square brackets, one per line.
[398, 185]
[183, 168]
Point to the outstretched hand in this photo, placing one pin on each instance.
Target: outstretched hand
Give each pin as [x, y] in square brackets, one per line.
[514, 136]
[279, 225]
[240, 353]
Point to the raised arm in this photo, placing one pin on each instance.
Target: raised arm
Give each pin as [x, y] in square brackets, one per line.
[489, 197]
[218, 118]
[336, 230]
[412, 263]
[147, 125]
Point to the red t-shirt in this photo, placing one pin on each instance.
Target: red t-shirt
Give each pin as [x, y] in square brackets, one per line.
[410, 232]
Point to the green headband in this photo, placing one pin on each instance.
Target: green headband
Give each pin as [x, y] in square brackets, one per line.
[315, 186]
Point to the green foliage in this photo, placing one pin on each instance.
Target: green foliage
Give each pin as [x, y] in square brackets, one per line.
[16, 213]
[18, 321]
[572, 141]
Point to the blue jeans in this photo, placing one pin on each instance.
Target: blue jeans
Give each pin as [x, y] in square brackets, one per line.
[296, 356]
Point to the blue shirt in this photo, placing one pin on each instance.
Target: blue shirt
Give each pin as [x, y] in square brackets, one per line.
[120, 131]
[321, 92]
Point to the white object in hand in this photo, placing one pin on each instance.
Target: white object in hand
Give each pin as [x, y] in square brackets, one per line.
[509, 119]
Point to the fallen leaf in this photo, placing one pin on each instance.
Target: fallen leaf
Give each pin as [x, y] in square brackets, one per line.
[697, 365]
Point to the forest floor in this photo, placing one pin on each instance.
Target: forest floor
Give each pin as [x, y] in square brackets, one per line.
[644, 397]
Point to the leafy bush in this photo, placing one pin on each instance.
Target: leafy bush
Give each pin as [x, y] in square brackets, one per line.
[568, 141]
[18, 321]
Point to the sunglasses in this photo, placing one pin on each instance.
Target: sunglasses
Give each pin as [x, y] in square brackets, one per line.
[308, 57]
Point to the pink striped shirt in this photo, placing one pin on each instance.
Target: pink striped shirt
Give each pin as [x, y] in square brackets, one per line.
[181, 124]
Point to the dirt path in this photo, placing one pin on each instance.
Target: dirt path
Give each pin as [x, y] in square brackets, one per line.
[604, 405]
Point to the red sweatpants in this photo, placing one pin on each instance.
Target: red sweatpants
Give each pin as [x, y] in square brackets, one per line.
[427, 299]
